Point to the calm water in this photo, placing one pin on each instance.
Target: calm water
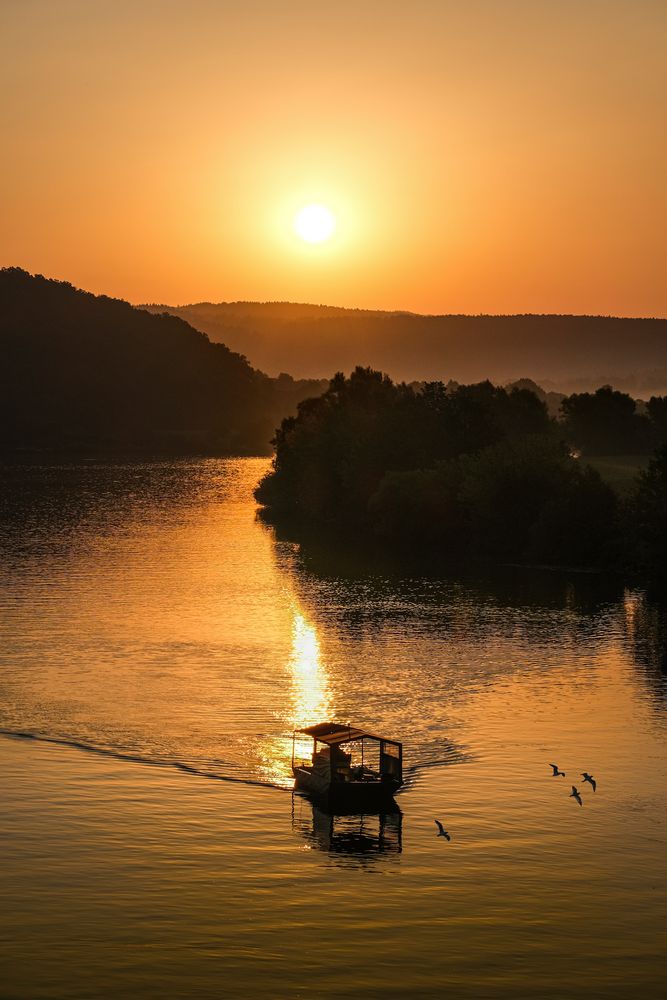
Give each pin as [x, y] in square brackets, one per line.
[157, 637]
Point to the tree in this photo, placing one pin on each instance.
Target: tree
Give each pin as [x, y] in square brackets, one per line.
[420, 508]
[657, 411]
[463, 469]
[605, 423]
[331, 458]
[524, 499]
[528, 499]
[648, 517]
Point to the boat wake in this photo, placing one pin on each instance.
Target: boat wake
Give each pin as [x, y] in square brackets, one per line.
[431, 756]
[136, 758]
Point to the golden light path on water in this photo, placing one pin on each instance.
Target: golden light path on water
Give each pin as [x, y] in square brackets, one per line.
[310, 702]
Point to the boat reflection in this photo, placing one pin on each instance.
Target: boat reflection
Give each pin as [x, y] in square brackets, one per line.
[355, 837]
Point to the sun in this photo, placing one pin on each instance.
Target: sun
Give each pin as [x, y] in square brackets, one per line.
[314, 223]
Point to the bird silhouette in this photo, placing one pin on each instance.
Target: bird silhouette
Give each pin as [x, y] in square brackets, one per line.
[590, 779]
[441, 830]
[574, 794]
[556, 772]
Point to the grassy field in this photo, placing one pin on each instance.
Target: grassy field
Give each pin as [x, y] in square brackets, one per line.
[619, 471]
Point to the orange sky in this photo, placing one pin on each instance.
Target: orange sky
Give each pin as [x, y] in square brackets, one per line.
[480, 156]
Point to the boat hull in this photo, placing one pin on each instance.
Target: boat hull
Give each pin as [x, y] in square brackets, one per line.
[350, 793]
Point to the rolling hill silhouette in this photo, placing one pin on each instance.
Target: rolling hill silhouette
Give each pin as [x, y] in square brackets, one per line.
[570, 353]
[88, 373]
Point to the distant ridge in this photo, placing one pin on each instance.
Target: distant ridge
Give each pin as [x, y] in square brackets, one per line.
[278, 309]
[569, 353]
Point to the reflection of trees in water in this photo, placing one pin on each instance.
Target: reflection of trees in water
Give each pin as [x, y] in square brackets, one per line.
[646, 636]
[405, 642]
[367, 593]
[366, 561]
[350, 838]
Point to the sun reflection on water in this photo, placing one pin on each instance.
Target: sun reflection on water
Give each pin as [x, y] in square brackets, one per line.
[311, 693]
[310, 699]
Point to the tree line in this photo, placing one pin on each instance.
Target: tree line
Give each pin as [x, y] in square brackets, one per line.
[474, 471]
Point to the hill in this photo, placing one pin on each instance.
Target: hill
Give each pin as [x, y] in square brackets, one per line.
[568, 353]
[89, 374]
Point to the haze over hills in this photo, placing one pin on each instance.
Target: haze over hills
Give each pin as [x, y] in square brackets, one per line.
[568, 353]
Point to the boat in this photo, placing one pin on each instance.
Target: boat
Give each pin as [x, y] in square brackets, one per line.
[348, 764]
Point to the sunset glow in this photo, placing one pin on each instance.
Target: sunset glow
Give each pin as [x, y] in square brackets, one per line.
[465, 158]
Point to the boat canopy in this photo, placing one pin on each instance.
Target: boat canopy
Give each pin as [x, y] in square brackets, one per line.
[334, 733]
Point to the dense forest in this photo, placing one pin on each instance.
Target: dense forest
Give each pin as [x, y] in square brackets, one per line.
[567, 353]
[88, 374]
[474, 470]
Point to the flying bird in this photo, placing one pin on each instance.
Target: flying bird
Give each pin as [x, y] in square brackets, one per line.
[574, 794]
[556, 772]
[590, 779]
[441, 830]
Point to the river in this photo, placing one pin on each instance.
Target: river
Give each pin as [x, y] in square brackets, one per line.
[160, 644]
